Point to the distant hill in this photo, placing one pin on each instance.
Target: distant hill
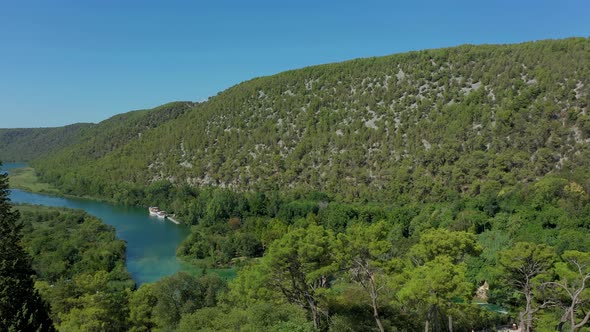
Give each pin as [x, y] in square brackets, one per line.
[117, 131]
[420, 125]
[25, 144]
[79, 143]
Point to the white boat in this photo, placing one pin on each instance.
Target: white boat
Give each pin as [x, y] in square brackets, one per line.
[154, 211]
[161, 214]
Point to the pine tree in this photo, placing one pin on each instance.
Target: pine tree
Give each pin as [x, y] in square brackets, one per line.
[21, 307]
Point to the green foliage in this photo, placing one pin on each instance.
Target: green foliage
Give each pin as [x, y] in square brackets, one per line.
[366, 252]
[96, 305]
[420, 126]
[441, 242]
[141, 304]
[436, 278]
[26, 179]
[524, 262]
[524, 266]
[571, 288]
[21, 307]
[300, 265]
[261, 317]
[436, 283]
[67, 242]
[79, 263]
[33, 143]
[162, 305]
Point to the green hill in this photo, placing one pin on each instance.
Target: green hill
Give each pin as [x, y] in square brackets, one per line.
[84, 142]
[421, 125]
[25, 144]
[118, 131]
[89, 142]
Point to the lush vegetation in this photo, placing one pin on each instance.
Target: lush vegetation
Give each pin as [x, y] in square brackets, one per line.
[377, 266]
[80, 268]
[419, 126]
[374, 194]
[80, 271]
[21, 307]
[85, 141]
[316, 264]
[26, 144]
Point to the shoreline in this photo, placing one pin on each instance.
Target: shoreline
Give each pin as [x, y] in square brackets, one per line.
[56, 192]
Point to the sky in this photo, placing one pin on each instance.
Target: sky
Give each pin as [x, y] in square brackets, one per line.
[64, 62]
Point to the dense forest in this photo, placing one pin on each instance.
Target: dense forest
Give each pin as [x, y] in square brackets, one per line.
[87, 141]
[80, 268]
[31, 143]
[400, 193]
[334, 267]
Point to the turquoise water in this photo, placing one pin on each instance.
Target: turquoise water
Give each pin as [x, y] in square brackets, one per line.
[151, 242]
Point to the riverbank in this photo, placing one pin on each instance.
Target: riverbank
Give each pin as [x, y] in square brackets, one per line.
[151, 244]
[26, 179]
[23, 177]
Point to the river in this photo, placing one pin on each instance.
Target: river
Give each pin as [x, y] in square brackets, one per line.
[151, 242]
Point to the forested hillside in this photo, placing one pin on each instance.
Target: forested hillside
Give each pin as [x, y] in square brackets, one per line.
[420, 125]
[81, 143]
[30, 143]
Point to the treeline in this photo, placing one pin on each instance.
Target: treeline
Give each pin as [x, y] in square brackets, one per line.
[551, 211]
[359, 263]
[418, 126]
[120, 130]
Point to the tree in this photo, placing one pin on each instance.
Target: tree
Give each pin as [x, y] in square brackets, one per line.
[437, 276]
[520, 265]
[442, 242]
[434, 286]
[141, 304]
[364, 251]
[574, 277]
[181, 294]
[95, 307]
[300, 265]
[21, 307]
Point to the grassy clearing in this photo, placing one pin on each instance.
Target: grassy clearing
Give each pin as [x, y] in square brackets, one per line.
[26, 179]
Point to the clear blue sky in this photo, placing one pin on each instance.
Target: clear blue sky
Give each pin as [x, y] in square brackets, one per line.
[73, 61]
